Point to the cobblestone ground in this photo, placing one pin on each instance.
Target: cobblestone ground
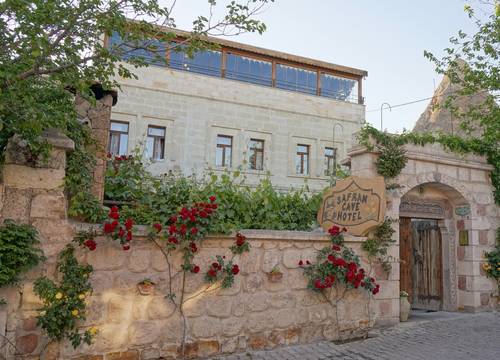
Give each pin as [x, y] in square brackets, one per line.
[446, 336]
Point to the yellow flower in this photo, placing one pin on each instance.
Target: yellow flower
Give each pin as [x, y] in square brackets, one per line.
[486, 267]
[74, 312]
[42, 313]
[81, 296]
[93, 331]
[59, 296]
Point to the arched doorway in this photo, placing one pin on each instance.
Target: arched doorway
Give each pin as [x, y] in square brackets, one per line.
[428, 242]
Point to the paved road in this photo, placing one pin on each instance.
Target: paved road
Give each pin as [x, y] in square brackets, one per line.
[437, 336]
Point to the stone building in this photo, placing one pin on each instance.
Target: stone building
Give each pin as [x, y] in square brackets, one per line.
[240, 107]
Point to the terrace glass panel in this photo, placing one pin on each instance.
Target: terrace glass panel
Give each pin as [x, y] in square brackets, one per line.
[296, 79]
[339, 88]
[205, 62]
[249, 70]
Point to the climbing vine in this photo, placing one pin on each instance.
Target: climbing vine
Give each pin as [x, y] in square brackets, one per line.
[392, 165]
[377, 245]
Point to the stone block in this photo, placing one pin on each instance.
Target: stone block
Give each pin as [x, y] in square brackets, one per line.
[119, 309]
[257, 342]
[462, 282]
[206, 327]
[250, 262]
[25, 177]
[158, 261]
[160, 308]
[270, 259]
[254, 282]
[291, 257]
[52, 206]
[16, 204]
[26, 344]
[108, 257]
[150, 354]
[257, 302]
[219, 306]
[138, 260]
[208, 348]
[296, 279]
[232, 326]
[123, 355]
[144, 332]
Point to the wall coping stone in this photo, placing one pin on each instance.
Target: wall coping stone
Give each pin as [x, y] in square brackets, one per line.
[253, 234]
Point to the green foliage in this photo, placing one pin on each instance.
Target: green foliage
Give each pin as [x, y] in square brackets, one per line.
[241, 206]
[18, 251]
[64, 303]
[392, 160]
[492, 264]
[449, 142]
[378, 244]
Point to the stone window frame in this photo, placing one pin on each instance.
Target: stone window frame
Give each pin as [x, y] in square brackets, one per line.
[327, 158]
[251, 150]
[224, 148]
[304, 170]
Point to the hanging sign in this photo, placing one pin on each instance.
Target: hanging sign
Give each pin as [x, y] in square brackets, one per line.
[355, 203]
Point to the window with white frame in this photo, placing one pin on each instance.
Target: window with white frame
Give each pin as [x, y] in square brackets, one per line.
[155, 143]
[256, 152]
[302, 160]
[224, 150]
[330, 154]
[118, 138]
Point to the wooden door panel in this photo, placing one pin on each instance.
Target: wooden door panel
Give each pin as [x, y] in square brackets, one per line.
[405, 254]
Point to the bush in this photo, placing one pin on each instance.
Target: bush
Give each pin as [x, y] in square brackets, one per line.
[154, 199]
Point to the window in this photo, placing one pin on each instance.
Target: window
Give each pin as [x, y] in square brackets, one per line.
[206, 62]
[118, 138]
[155, 143]
[296, 79]
[256, 160]
[329, 161]
[339, 88]
[223, 152]
[249, 70]
[151, 51]
[302, 160]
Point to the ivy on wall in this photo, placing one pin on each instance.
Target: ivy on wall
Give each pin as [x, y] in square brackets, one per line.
[394, 158]
[377, 245]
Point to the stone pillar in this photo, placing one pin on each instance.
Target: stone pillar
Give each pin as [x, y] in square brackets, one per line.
[98, 117]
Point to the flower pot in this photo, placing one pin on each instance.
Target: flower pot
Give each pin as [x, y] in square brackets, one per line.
[274, 276]
[404, 308]
[146, 288]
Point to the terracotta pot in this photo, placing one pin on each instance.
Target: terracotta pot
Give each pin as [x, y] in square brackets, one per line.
[274, 276]
[146, 288]
[404, 308]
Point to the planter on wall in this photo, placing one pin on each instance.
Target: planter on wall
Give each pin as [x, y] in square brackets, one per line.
[146, 288]
[274, 276]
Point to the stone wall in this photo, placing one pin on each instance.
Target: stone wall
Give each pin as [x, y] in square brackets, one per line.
[254, 314]
[195, 108]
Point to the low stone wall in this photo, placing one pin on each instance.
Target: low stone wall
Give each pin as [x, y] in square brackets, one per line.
[254, 314]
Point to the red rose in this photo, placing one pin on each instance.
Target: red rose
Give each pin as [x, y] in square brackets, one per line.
[173, 219]
[195, 269]
[372, 279]
[114, 224]
[183, 229]
[212, 198]
[318, 284]
[117, 158]
[173, 240]
[352, 266]
[203, 214]
[157, 226]
[123, 157]
[108, 228]
[114, 209]
[121, 232]
[350, 276]
[194, 231]
[331, 258]
[375, 291]
[301, 263]
[90, 244]
[126, 247]
[193, 247]
[215, 265]
[335, 248]
[212, 273]
[114, 215]
[235, 270]
[129, 235]
[339, 262]
[129, 223]
[334, 230]
[214, 206]
[331, 278]
[172, 229]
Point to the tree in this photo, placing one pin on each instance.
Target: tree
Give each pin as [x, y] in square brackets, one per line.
[48, 46]
[472, 62]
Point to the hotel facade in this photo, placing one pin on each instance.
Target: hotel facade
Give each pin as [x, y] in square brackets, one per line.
[241, 108]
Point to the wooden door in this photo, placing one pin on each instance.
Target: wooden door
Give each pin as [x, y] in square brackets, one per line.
[421, 272]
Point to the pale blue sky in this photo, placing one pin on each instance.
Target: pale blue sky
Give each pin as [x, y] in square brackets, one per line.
[385, 37]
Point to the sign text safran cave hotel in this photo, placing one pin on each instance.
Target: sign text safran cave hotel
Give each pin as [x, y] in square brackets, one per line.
[356, 203]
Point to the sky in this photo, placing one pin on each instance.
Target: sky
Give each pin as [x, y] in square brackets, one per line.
[385, 37]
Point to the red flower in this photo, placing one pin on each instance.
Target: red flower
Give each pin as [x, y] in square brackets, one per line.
[193, 247]
[108, 228]
[157, 226]
[335, 248]
[129, 235]
[192, 218]
[334, 230]
[90, 244]
[318, 284]
[114, 215]
[215, 265]
[331, 258]
[121, 232]
[339, 262]
[301, 263]
[108, 155]
[372, 279]
[235, 270]
[350, 276]
[212, 273]
[114, 209]
[352, 266]
[214, 206]
[114, 224]
[172, 229]
[203, 214]
[173, 219]
[212, 198]
[126, 247]
[240, 239]
[194, 231]
[123, 157]
[183, 229]
[195, 269]
[344, 229]
[173, 240]
[129, 223]
[308, 262]
[376, 290]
